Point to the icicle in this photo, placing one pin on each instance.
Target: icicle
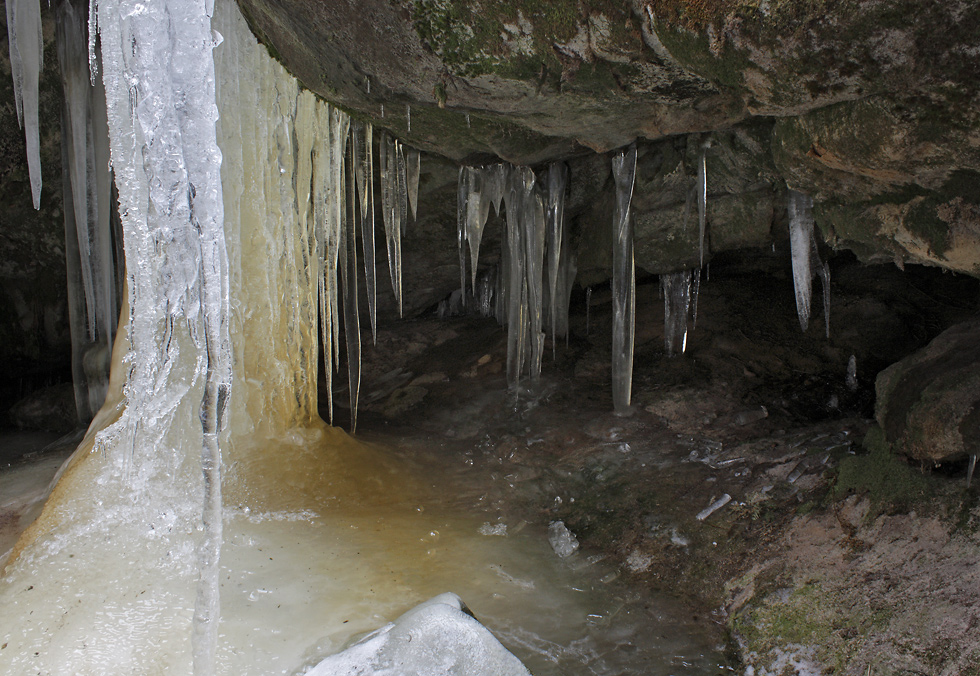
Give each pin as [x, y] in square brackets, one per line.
[367, 85]
[823, 269]
[477, 211]
[588, 308]
[362, 138]
[462, 198]
[557, 185]
[408, 118]
[702, 196]
[467, 120]
[623, 281]
[800, 242]
[413, 164]
[26, 61]
[969, 470]
[517, 190]
[535, 227]
[382, 110]
[401, 186]
[567, 269]
[348, 264]
[676, 289]
[393, 210]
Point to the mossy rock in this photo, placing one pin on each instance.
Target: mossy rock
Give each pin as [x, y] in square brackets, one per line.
[928, 404]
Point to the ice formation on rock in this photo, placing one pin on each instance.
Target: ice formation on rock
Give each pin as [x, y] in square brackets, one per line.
[26, 60]
[94, 275]
[623, 281]
[806, 260]
[362, 138]
[443, 627]
[557, 254]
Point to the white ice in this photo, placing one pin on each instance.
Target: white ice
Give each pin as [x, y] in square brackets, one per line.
[26, 60]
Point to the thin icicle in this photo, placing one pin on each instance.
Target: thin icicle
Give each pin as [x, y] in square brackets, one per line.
[408, 117]
[557, 186]
[413, 164]
[534, 236]
[26, 61]
[623, 282]
[702, 197]
[462, 197]
[695, 292]
[800, 242]
[361, 137]
[392, 211]
[519, 184]
[348, 264]
[401, 186]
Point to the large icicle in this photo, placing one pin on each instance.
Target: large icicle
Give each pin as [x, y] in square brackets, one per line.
[394, 209]
[623, 282]
[462, 197]
[362, 137]
[702, 197]
[26, 60]
[534, 227]
[413, 165]
[89, 236]
[348, 265]
[805, 259]
[557, 187]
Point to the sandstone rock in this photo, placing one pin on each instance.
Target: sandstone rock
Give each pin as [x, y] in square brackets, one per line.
[928, 404]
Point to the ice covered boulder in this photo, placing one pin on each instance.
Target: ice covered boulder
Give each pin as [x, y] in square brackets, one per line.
[437, 638]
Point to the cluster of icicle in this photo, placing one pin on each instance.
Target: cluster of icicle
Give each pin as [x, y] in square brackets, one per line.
[93, 238]
[310, 167]
[533, 242]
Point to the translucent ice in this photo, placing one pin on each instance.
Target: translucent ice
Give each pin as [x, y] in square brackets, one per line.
[413, 164]
[362, 134]
[702, 197]
[394, 209]
[623, 281]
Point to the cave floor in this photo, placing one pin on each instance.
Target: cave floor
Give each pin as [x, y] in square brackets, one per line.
[742, 484]
[745, 486]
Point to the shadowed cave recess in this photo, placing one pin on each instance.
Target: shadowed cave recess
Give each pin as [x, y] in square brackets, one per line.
[448, 337]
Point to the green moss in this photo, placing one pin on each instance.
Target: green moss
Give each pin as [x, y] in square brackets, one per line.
[890, 484]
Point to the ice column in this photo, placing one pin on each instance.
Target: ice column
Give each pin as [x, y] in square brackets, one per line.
[26, 60]
[806, 260]
[167, 166]
[89, 236]
[623, 281]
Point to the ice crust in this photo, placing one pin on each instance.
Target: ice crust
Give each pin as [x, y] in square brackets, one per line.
[437, 638]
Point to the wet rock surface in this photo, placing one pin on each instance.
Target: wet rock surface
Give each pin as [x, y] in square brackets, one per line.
[751, 481]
